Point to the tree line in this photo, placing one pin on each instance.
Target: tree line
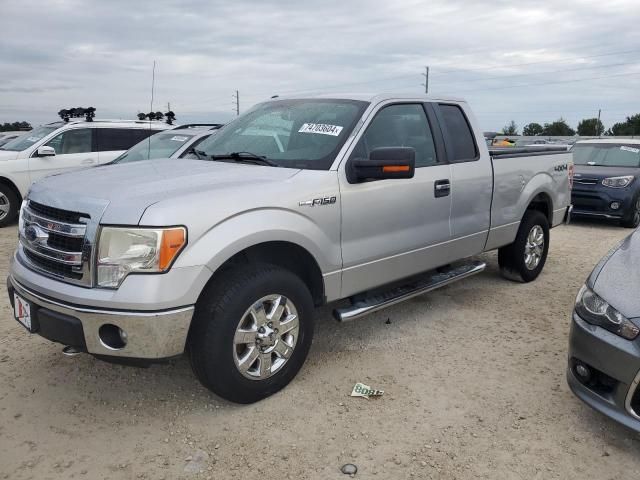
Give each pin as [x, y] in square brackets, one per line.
[12, 127]
[586, 127]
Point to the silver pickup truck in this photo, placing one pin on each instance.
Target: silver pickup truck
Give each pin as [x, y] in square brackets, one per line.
[297, 203]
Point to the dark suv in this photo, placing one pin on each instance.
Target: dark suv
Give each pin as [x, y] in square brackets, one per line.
[605, 180]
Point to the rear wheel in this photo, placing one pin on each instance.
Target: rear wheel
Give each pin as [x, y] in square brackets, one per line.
[632, 219]
[524, 259]
[8, 205]
[251, 332]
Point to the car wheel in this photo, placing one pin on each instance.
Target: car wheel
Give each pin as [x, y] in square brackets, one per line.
[9, 205]
[524, 259]
[251, 332]
[632, 219]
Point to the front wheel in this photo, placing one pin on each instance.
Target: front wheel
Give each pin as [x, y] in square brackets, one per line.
[9, 205]
[251, 332]
[632, 219]
[524, 259]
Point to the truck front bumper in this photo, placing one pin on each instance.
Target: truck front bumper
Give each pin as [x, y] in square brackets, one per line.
[148, 335]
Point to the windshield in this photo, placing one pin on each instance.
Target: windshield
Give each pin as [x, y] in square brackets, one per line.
[606, 154]
[160, 145]
[291, 133]
[26, 140]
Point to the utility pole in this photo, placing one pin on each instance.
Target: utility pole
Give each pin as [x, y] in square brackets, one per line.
[426, 80]
[598, 125]
[237, 97]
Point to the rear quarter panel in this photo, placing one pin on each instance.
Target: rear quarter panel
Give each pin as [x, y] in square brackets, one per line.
[517, 181]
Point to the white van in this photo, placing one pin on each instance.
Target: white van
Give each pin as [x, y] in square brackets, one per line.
[62, 146]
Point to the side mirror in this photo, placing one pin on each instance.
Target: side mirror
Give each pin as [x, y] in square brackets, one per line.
[45, 151]
[383, 163]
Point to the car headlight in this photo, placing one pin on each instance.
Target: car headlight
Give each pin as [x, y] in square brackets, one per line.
[122, 251]
[618, 182]
[596, 311]
[21, 218]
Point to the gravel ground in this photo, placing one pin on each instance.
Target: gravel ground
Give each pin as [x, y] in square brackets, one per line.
[474, 380]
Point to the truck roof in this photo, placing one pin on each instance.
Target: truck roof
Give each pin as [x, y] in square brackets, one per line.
[372, 97]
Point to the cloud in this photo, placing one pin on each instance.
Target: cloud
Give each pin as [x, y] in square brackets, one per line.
[502, 56]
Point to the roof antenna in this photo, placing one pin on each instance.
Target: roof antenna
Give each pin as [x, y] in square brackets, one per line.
[153, 84]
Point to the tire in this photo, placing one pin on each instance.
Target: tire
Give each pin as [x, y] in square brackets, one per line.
[632, 218]
[223, 317]
[523, 260]
[9, 205]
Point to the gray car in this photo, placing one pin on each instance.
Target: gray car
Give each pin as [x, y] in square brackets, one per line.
[604, 347]
[180, 142]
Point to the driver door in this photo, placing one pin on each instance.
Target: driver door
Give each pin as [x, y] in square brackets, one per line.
[395, 228]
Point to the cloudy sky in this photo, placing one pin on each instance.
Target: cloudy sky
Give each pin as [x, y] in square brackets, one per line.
[527, 60]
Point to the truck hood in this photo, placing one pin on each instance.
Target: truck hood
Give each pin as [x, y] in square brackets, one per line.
[617, 277]
[119, 194]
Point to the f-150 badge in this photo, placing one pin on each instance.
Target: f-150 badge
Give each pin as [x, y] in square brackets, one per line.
[317, 202]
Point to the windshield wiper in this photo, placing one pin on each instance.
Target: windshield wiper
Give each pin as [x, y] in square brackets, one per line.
[198, 153]
[246, 157]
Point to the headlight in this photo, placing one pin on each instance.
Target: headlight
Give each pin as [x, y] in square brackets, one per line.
[143, 250]
[596, 311]
[618, 182]
[21, 218]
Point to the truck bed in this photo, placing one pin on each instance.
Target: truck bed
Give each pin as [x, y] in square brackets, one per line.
[521, 174]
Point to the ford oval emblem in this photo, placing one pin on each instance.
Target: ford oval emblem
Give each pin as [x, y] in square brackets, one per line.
[35, 234]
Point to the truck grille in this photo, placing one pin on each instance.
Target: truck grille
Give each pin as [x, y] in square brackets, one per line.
[586, 181]
[53, 242]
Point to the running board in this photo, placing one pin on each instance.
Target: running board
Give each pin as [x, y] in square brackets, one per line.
[421, 285]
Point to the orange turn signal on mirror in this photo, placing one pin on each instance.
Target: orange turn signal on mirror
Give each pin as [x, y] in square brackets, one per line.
[395, 168]
[173, 239]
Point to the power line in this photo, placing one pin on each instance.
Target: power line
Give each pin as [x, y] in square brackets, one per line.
[463, 69]
[499, 77]
[459, 69]
[550, 83]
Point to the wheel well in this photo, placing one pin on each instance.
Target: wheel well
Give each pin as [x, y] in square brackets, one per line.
[284, 254]
[12, 186]
[542, 202]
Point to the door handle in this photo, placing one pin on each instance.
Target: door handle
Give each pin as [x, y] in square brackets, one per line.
[88, 161]
[442, 188]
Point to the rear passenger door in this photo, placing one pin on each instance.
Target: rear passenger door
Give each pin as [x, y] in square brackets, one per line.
[471, 180]
[74, 149]
[395, 228]
[111, 142]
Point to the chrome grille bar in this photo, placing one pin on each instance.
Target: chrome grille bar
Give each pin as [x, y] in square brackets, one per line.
[54, 243]
[54, 226]
[68, 258]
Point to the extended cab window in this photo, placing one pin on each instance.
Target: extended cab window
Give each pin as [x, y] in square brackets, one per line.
[78, 140]
[111, 139]
[403, 125]
[461, 147]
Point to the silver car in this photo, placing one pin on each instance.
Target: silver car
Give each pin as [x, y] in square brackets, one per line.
[604, 346]
[180, 142]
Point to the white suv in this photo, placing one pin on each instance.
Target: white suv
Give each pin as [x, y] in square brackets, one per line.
[62, 146]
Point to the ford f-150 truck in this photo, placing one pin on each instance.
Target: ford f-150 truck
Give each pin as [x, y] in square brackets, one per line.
[297, 203]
